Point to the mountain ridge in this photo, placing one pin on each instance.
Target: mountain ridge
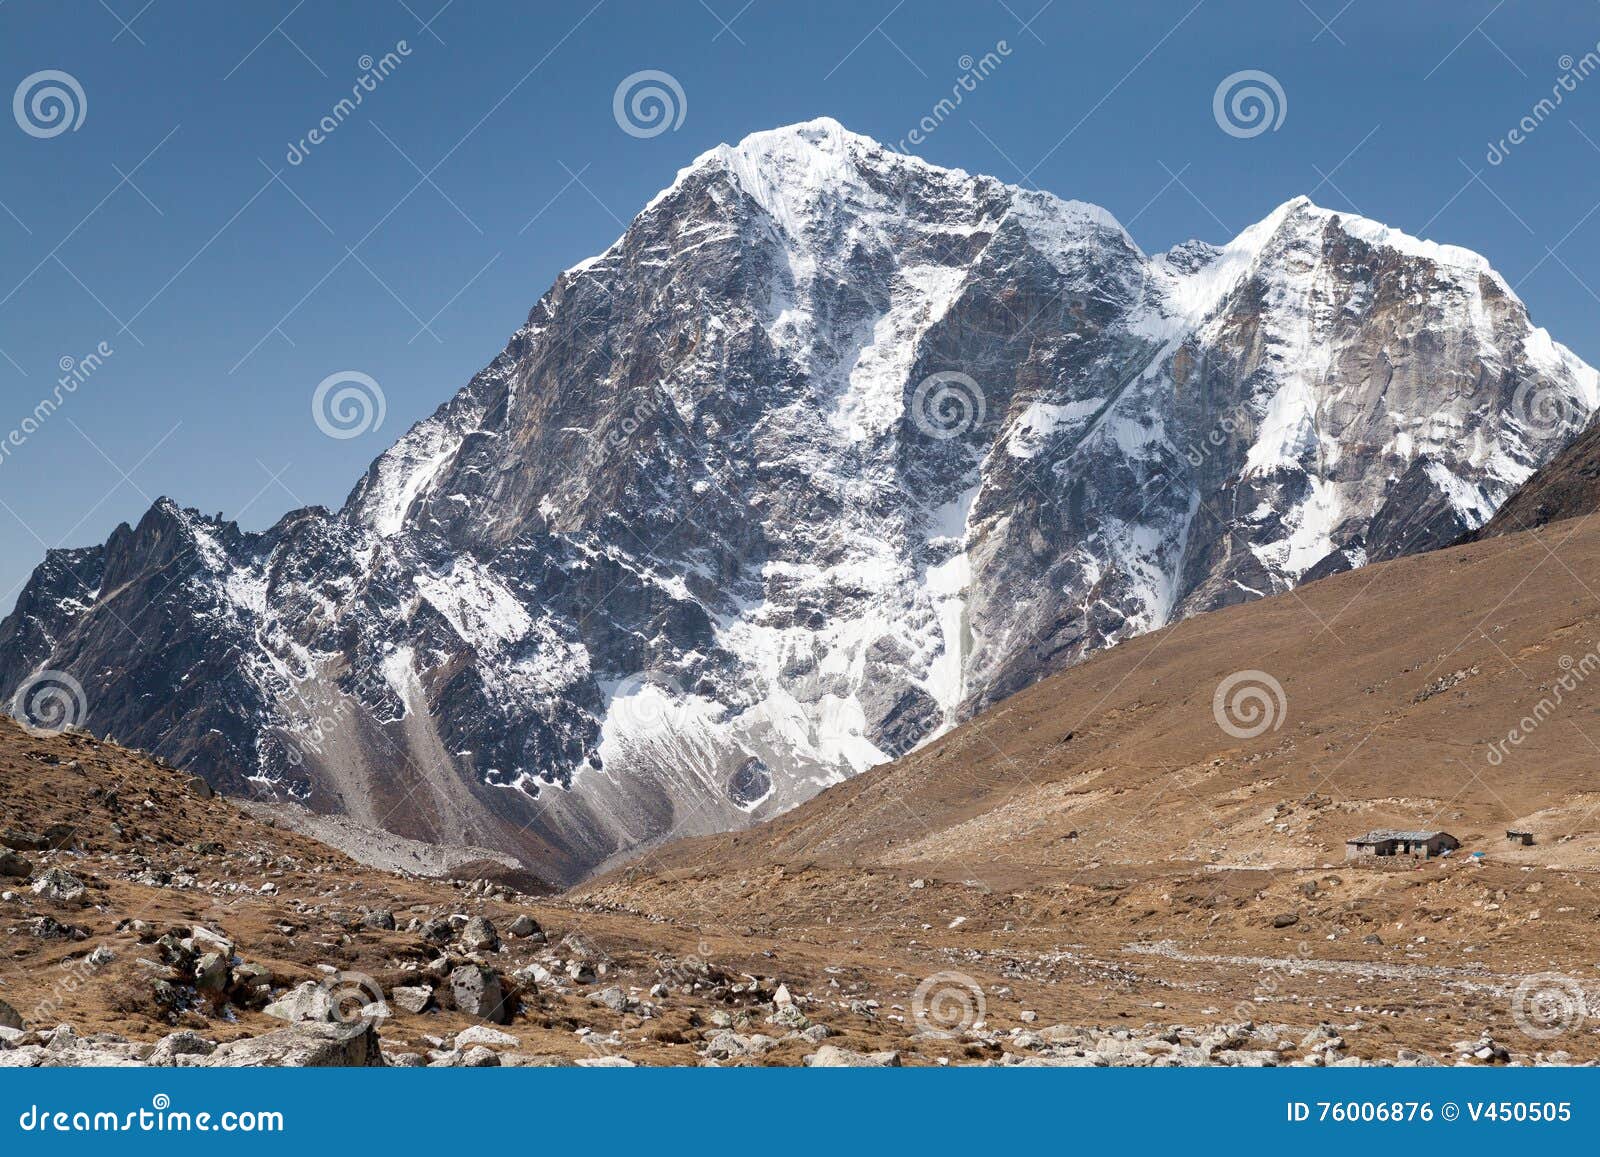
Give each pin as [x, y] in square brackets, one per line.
[831, 449]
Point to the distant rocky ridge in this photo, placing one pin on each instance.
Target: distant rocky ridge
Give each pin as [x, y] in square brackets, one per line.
[1568, 487]
[831, 449]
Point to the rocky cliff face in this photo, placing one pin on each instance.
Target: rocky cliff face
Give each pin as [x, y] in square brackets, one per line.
[830, 449]
[1568, 486]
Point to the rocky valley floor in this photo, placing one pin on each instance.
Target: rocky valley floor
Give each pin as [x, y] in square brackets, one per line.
[1096, 872]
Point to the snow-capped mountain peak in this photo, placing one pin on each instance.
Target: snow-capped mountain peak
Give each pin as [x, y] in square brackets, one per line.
[831, 448]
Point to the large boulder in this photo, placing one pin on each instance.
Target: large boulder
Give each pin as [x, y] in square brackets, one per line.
[477, 992]
[60, 887]
[183, 1044]
[211, 976]
[479, 935]
[480, 1034]
[14, 866]
[834, 1057]
[308, 1003]
[728, 1045]
[22, 841]
[251, 986]
[411, 998]
[525, 926]
[303, 1046]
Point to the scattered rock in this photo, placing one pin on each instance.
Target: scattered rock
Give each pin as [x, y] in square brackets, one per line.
[60, 887]
[22, 841]
[478, 935]
[477, 992]
[303, 1046]
[834, 1057]
[480, 1034]
[307, 1003]
[479, 1057]
[412, 998]
[184, 1043]
[211, 976]
[525, 926]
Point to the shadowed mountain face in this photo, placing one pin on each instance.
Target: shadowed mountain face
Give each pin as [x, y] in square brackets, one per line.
[829, 450]
[1569, 487]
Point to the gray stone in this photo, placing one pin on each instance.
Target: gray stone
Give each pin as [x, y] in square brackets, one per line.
[180, 1044]
[524, 926]
[478, 935]
[22, 841]
[303, 1046]
[23, 1057]
[477, 992]
[480, 1034]
[211, 974]
[412, 998]
[308, 1002]
[15, 867]
[60, 887]
[834, 1057]
[729, 1045]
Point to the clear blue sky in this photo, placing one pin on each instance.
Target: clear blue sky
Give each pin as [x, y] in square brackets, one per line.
[227, 294]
